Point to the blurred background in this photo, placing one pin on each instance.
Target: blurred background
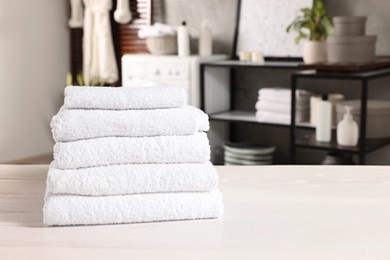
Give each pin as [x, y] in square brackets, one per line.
[38, 50]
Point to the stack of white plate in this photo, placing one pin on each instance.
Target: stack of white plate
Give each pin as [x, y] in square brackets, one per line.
[247, 154]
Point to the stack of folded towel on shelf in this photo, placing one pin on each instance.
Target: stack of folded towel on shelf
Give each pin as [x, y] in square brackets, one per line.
[274, 105]
[130, 154]
[156, 30]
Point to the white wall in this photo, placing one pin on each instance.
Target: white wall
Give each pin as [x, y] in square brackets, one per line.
[221, 15]
[34, 60]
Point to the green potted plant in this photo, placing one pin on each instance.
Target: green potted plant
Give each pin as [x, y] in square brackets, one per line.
[313, 25]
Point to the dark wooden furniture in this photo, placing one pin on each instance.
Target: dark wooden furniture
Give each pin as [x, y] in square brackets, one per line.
[379, 63]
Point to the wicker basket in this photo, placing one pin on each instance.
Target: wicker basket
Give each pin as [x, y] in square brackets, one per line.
[162, 45]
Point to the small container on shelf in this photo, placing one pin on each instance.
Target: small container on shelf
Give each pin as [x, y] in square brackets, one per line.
[349, 25]
[378, 116]
[324, 120]
[245, 55]
[257, 57]
[347, 130]
[333, 98]
[351, 49]
[205, 40]
[183, 40]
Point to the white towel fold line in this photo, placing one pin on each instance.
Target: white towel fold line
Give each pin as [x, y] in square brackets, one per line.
[122, 98]
[132, 179]
[280, 108]
[279, 118]
[89, 210]
[78, 124]
[282, 92]
[126, 150]
[285, 101]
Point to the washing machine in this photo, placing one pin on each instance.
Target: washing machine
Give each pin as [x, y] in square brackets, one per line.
[170, 70]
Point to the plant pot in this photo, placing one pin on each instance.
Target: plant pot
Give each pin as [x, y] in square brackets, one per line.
[314, 52]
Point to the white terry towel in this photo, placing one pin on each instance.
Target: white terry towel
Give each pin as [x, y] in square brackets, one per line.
[77, 124]
[126, 150]
[132, 178]
[285, 119]
[121, 98]
[280, 107]
[156, 30]
[283, 95]
[88, 210]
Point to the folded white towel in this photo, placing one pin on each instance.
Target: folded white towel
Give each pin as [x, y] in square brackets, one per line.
[88, 210]
[283, 94]
[132, 178]
[77, 124]
[280, 107]
[156, 30]
[285, 101]
[125, 150]
[279, 118]
[121, 98]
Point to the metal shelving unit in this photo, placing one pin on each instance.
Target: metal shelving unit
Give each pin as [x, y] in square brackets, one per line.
[241, 116]
[309, 142]
[232, 115]
[228, 112]
[231, 65]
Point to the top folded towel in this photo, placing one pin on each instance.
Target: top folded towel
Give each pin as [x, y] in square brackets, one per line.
[282, 94]
[122, 98]
[156, 30]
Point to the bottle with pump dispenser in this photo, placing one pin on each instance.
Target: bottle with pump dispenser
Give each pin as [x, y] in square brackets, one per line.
[205, 40]
[347, 130]
[324, 120]
[183, 40]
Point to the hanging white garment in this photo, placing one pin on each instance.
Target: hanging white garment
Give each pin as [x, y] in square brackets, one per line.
[122, 13]
[76, 15]
[99, 63]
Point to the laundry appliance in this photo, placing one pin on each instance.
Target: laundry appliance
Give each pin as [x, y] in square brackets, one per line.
[170, 70]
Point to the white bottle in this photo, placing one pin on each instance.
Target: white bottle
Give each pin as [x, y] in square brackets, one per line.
[205, 40]
[324, 120]
[183, 40]
[347, 130]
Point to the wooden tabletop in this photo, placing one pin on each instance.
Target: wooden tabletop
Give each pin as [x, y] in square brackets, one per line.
[271, 212]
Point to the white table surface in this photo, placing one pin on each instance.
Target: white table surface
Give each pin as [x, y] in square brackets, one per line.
[271, 212]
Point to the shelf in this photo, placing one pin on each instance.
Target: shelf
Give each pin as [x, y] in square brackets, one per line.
[266, 64]
[348, 76]
[381, 62]
[249, 117]
[309, 141]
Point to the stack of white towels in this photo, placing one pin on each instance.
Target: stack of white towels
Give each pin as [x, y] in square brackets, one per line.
[274, 105]
[156, 30]
[130, 154]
